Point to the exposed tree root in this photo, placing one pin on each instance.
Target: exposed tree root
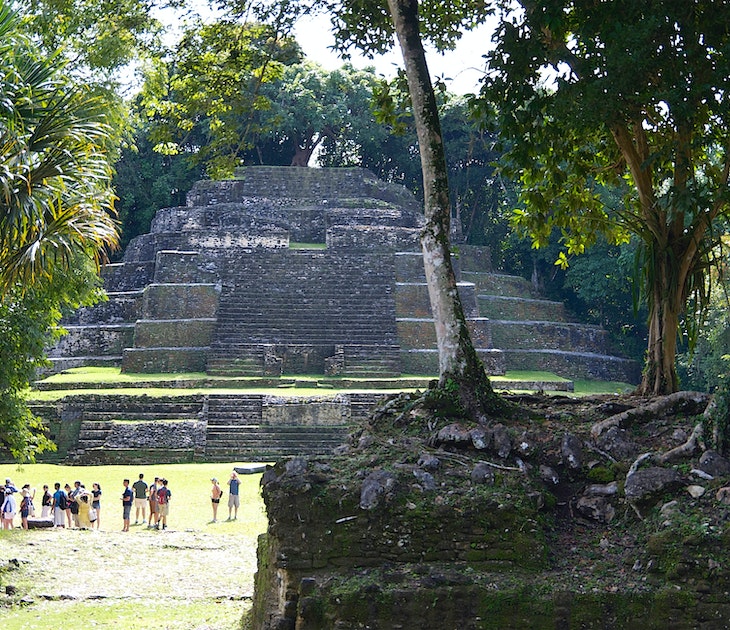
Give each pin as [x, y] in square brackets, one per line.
[685, 450]
[686, 402]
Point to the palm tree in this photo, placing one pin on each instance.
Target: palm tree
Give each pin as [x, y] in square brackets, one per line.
[56, 199]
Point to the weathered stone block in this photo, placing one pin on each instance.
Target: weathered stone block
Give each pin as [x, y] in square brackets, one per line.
[180, 301]
[164, 360]
[175, 267]
[178, 333]
[100, 340]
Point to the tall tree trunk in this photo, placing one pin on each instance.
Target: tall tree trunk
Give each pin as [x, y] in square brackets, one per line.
[660, 372]
[459, 365]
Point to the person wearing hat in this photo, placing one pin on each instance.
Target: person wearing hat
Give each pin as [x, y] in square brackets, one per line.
[215, 498]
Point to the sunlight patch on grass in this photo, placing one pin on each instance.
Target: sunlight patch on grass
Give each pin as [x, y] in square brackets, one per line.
[130, 614]
[295, 245]
[587, 388]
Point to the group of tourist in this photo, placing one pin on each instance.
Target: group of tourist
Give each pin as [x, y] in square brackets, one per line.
[81, 508]
[140, 495]
[67, 506]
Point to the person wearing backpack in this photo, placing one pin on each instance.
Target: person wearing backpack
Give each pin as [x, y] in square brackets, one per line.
[59, 506]
[163, 505]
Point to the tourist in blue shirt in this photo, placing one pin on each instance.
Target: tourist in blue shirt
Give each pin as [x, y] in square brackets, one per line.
[233, 500]
[127, 500]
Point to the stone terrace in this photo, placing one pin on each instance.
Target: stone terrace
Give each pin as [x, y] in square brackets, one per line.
[285, 271]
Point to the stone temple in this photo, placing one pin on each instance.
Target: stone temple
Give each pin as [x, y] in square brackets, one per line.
[286, 270]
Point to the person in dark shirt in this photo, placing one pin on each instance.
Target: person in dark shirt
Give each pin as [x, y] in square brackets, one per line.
[233, 500]
[127, 500]
[140, 499]
[163, 504]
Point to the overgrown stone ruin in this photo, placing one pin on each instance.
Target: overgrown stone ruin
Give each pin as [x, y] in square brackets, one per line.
[570, 513]
[282, 272]
[311, 271]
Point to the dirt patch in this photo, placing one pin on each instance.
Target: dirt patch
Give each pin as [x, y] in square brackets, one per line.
[89, 565]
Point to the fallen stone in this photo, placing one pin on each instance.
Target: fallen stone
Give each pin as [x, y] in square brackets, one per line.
[480, 438]
[644, 487]
[525, 445]
[40, 523]
[714, 464]
[482, 473]
[250, 469]
[616, 443]
[723, 495]
[502, 441]
[596, 508]
[572, 451]
[601, 490]
[696, 491]
[548, 475]
[425, 479]
[670, 510]
[429, 462]
[376, 486]
[454, 435]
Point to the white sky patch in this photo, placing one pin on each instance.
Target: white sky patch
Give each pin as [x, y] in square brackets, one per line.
[461, 69]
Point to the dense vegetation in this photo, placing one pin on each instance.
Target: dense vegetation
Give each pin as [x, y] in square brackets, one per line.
[237, 90]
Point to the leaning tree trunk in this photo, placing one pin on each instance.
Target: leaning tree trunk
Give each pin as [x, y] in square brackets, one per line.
[459, 365]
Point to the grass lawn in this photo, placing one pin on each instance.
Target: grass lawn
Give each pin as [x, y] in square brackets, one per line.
[195, 575]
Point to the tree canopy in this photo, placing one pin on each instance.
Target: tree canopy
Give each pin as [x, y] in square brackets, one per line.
[628, 95]
[55, 177]
[56, 222]
[204, 100]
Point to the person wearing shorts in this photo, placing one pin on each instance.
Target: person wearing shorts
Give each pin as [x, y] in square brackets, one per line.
[127, 500]
[163, 505]
[96, 503]
[152, 499]
[233, 500]
[8, 508]
[140, 499]
[215, 498]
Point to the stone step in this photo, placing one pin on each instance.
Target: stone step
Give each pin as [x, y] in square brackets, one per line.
[297, 431]
[260, 455]
[517, 308]
[538, 335]
[138, 416]
[575, 365]
[500, 284]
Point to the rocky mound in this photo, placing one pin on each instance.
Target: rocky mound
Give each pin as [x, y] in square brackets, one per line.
[593, 512]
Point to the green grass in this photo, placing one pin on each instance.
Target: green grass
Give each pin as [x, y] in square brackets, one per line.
[195, 575]
[157, 392]
[293, 245]
[525, 375]
[588, 388]
[114, 376]
[190, 508]
[131, 615]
